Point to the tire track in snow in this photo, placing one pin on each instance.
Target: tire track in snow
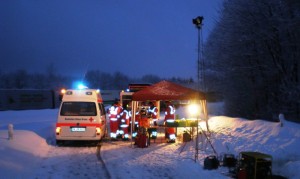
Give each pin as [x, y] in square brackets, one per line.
[72, 162]
[101, 160]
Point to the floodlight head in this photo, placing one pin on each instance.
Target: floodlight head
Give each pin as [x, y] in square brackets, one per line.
[198, 21]
[194, 109]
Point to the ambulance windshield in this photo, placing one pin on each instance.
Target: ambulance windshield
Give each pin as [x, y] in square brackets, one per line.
[78, 109]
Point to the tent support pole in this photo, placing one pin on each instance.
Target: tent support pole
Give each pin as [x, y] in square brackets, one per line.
[197, 137]
[133, 105]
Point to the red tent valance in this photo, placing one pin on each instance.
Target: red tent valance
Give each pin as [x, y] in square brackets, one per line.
[166, 90]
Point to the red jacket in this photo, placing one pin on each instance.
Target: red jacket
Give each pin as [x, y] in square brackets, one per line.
[125, 118]
[170, 113]
[153, 111]
[114, 112]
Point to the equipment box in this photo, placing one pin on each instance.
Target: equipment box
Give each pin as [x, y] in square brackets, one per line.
[142, 141]
[254, 165]
[186, 137]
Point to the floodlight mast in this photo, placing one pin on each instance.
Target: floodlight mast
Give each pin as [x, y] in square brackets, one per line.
[198, 23]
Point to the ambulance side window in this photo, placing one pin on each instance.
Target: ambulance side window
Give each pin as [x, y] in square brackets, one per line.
[102, 109]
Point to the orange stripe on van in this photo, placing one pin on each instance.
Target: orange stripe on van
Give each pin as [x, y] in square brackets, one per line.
[78, 124]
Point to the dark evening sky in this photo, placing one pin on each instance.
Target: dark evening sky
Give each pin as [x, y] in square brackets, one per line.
[134, 37]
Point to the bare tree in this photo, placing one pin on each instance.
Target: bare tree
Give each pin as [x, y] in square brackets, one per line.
[253, 52]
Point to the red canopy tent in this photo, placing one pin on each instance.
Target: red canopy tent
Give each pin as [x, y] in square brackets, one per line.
[166, 90]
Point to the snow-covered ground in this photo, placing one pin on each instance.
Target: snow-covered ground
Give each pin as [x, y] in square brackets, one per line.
[32, 152]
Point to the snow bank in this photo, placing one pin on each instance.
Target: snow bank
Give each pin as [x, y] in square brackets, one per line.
[34, 136]
[19, 156]
[234, 135]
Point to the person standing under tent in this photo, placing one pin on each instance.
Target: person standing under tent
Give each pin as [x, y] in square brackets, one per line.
[143, 118]
[135, 126]
[125, 119]
[153, 113]
[114, 116]
[170, 118]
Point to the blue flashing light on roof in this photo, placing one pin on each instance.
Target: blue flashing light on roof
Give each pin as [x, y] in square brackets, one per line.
[79, 85]
[82, 86]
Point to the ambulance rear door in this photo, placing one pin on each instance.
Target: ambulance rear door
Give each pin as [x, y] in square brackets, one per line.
[81, 116]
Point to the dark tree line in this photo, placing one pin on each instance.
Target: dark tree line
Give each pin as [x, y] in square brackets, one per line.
[118, 80]
[21, 79]
[254, 58]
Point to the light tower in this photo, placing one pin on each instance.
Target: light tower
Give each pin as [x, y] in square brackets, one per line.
[200, 68]
[198, 23]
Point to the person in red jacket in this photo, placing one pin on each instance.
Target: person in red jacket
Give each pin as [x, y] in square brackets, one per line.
[153, 113]
[114, 116]
[170, 118]
[125, 119]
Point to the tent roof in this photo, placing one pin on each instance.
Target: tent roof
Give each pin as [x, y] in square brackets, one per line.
[166, 90]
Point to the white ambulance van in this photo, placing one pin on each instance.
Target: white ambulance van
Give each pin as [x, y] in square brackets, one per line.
[81, 116]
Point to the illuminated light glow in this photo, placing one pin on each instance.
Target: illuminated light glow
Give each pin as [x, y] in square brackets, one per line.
[121, 132]
[98, 130]
[58, 129]
[193, 109]
[170, 120]
[172, 136]
[97, 91]
[127, 90]
[134, 134]
[124, 125]
[63, 91]
[113, 135]
[81, 86]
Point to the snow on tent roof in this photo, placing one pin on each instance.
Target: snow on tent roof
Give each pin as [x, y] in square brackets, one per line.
[166, 90]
